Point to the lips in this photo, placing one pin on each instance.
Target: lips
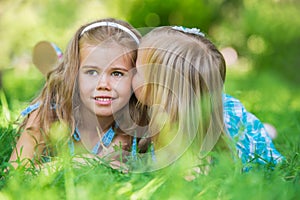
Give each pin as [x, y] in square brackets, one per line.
[103, 100]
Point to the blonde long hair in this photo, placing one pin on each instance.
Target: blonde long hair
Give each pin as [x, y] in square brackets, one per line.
[61, 83]
[184, 75]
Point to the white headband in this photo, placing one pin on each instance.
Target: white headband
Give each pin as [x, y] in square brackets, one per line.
[112, 24]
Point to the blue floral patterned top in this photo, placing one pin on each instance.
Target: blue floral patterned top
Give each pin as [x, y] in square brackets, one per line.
[252, 142]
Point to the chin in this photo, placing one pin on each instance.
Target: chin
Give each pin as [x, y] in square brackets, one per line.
[103, 114]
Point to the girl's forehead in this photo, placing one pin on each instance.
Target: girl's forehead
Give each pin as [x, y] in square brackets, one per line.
[95, 55]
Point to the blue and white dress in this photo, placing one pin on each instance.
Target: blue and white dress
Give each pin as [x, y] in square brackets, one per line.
[252, 142]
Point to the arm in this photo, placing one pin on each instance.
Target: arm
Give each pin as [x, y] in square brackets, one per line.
[29, 143]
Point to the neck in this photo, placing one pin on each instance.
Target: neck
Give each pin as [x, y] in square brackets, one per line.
[90, 125]
[105, 123]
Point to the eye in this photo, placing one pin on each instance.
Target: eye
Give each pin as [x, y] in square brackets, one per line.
[92, 72]
[117, 74]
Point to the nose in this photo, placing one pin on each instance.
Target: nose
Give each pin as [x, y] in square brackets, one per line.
[103, 83]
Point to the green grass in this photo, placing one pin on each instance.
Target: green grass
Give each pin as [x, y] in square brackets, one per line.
[268, 96]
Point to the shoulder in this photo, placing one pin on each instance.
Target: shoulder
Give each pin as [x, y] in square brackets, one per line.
[232, 104]
[33, 121]
[34, 106]
[233, 112]
[30, 108]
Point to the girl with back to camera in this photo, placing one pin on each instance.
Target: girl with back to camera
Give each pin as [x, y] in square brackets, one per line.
[181, 73]
[90, 91]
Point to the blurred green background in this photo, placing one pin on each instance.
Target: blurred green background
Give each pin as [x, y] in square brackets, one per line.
[260, 40]
[265, 35]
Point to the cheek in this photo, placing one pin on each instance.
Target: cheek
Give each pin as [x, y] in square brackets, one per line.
[86, 82]
[137, 85]
[124, 89]
[137, 93]
[81, 84]
[86, 87]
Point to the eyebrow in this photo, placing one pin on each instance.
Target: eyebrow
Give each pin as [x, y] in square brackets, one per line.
[89, 66]
[118, 67]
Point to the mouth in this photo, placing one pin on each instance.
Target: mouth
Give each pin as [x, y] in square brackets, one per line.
[103, 100]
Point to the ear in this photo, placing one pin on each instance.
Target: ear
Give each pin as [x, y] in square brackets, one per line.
[45, 56]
